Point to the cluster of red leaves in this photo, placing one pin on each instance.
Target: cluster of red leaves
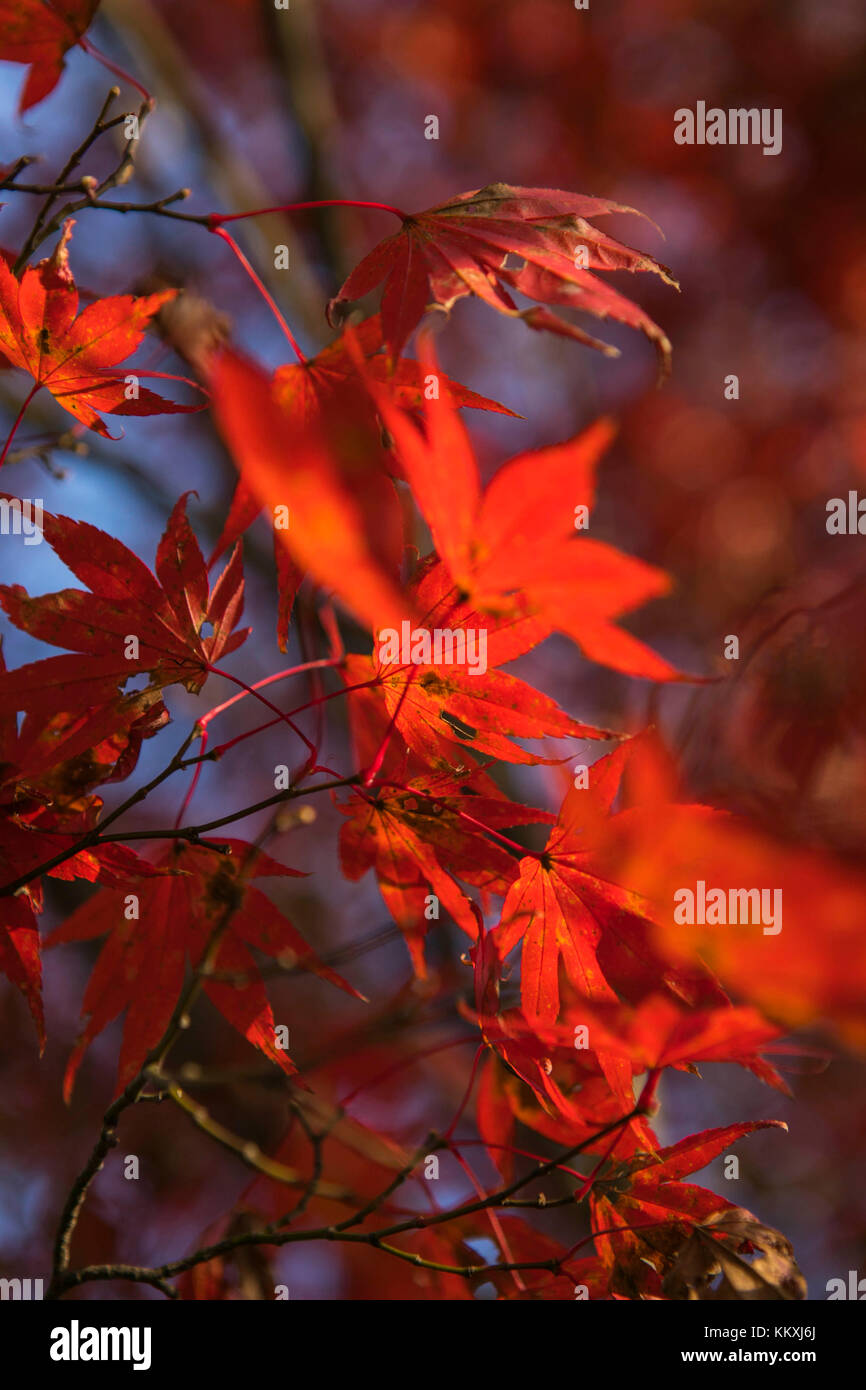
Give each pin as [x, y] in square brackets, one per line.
[358, 452]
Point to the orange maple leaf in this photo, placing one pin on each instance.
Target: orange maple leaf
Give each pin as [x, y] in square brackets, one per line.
[72, 354]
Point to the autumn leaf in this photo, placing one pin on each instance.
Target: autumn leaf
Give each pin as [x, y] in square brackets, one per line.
[598, 928]
[46, 768]
[643, 1214]
[345, 522]
[464, 247]
[718, 1247]
[72, 355]
[20, 959]
[806, 965]
[543, 1055]
[130, 622]
[420, 838]
[40, 32]
[305, 389]
[445, 710]
[515, 551]
[442, 713]
[28, 842]
[659, 1032]
[57, 757]
[142, 964]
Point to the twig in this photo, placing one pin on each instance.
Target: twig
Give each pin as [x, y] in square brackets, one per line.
[191, 833]
[46, 226]
[245, 1149]
[107, 1140]
[378, 1239]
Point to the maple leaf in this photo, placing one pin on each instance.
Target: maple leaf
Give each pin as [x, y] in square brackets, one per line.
[660, 1033]
[642, 1214]
[564, 908]
[58, 757]
[441, 710]
[26, 842]
[782, 929]
[717, 1247]
[305, 389]
[40, 33]
[463, 247]
[414, 838]
[165, 615]
[345, 519]
[141, 967]
[20, 959]
[513, 550]
[808, 965]
[72, 354]
[543, 1055]
[44, 768]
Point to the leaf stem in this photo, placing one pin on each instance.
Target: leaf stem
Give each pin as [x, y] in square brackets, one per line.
[94, 52]
[18, 418]
[251, 690]
[262, 289]
[219, 217]
[219, 709]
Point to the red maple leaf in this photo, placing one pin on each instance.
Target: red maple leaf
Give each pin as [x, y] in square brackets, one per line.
[441, 712]
[40, 32]
[141, 967]
[414, 838]
[44, 768]
[582, 1092]
[308, 388]
[514, 551]
[797, 972]
[72, 355]
[307, 391]
[564, 909]
[464, 246]
[345, 522]
[130, 622]
[57, 757]
[659, 1032]
[642, 1213]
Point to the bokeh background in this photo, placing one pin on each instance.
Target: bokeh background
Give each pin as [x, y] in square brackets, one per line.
[257, 108]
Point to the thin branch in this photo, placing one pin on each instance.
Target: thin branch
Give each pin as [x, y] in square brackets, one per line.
[107, 1140]
[245, 1149]
[378, 1239]
[45, 225]
[191, 833]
